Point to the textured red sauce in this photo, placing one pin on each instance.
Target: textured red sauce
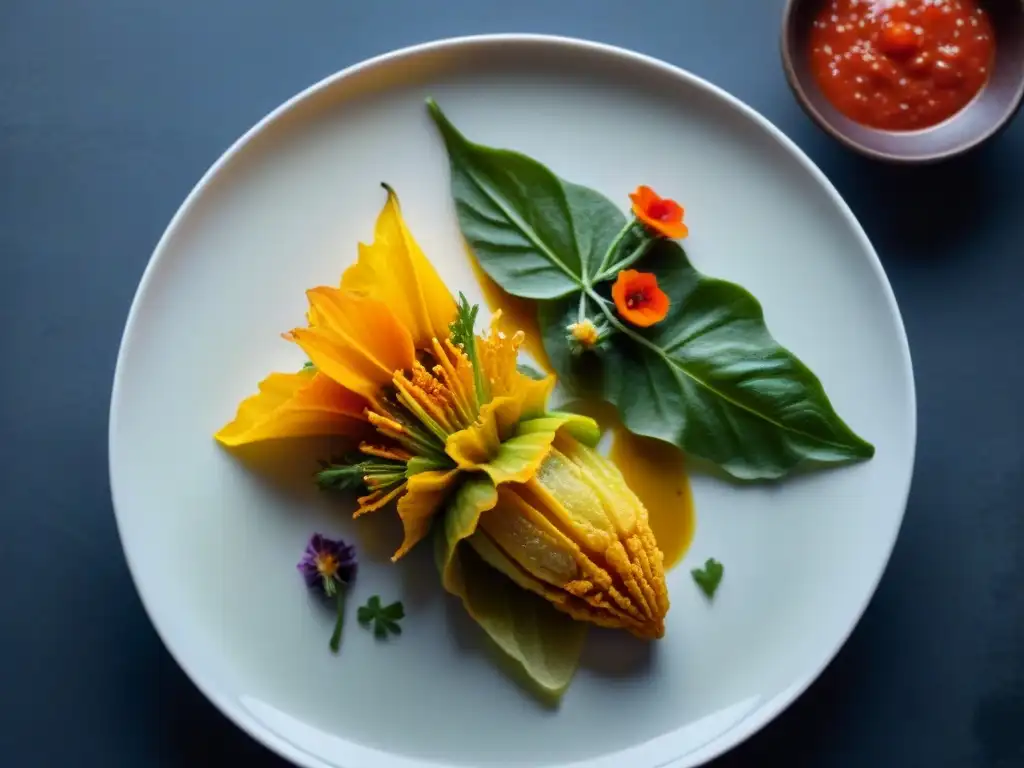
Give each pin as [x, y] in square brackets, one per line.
[901, 65]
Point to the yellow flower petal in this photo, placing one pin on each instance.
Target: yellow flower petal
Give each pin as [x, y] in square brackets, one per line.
[299, 404]
[508, 448]
[356, 341]
[499, 356]
[534, 395]
[493, 444]
[480, 442]
[426, 492]
[394, 270]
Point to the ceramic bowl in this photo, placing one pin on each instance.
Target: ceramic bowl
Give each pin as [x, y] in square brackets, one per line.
[979, 121]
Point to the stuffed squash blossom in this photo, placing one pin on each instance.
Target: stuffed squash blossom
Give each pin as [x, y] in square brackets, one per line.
[533, 530]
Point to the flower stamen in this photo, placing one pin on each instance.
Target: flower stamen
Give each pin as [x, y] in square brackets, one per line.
[384, 452]
[379, 498]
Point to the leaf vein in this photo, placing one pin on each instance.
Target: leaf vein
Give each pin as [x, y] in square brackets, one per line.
[523, 228]
[677, 366]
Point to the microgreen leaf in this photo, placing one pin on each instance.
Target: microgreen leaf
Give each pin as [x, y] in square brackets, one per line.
[709, 577]
[308, 364]
[383, 618]
[462, 327]
[463, 335]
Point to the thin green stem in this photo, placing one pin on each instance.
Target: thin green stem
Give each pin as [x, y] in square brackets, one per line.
[629, 261]
[415, 439]
[340, 620]
[614, 247]
[610, 316]
[581, 314]
[479, 380]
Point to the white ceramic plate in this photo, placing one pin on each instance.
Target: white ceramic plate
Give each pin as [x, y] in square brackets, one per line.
[212, 540]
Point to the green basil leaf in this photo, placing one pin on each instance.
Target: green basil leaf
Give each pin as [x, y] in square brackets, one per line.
[537, 640]
[710, 378]
[536, 235]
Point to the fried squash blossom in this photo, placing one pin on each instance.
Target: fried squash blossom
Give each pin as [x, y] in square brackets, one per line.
[515, 496]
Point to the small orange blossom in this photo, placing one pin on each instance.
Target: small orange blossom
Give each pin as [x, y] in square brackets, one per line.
[662, 215]
[639, 299]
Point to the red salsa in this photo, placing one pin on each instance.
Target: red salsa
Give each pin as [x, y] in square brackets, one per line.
[901, 65]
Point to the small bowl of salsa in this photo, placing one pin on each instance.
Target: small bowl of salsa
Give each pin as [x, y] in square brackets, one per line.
[907, 81]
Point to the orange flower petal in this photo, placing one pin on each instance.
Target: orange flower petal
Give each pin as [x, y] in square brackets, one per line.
[638, 298]
[302, 404]
[356, 341]
[660, 214]
[642, 198]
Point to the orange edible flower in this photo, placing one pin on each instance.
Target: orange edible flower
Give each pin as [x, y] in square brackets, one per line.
[662, 215]
[639, 299]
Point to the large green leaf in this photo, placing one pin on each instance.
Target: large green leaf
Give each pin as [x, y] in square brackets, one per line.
[536, 235]
[540, 641]
[710, 378]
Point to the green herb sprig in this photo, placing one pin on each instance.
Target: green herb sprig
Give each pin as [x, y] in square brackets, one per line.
[353, 473]
[383, 618]
[709, 577]
[464, 335]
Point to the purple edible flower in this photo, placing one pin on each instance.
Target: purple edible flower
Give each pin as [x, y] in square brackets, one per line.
[327, 565]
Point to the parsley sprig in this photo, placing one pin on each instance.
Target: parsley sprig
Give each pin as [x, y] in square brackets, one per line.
[463, 335]
[384, 618]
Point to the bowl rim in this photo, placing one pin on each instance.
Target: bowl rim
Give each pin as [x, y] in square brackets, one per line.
[787, 50]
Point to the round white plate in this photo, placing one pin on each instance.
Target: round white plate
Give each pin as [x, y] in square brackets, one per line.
[212, 538]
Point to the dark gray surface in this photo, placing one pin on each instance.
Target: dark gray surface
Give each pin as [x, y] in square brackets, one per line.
[110, 110]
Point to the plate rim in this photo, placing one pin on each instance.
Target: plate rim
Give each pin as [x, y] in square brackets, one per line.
[768, 710]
